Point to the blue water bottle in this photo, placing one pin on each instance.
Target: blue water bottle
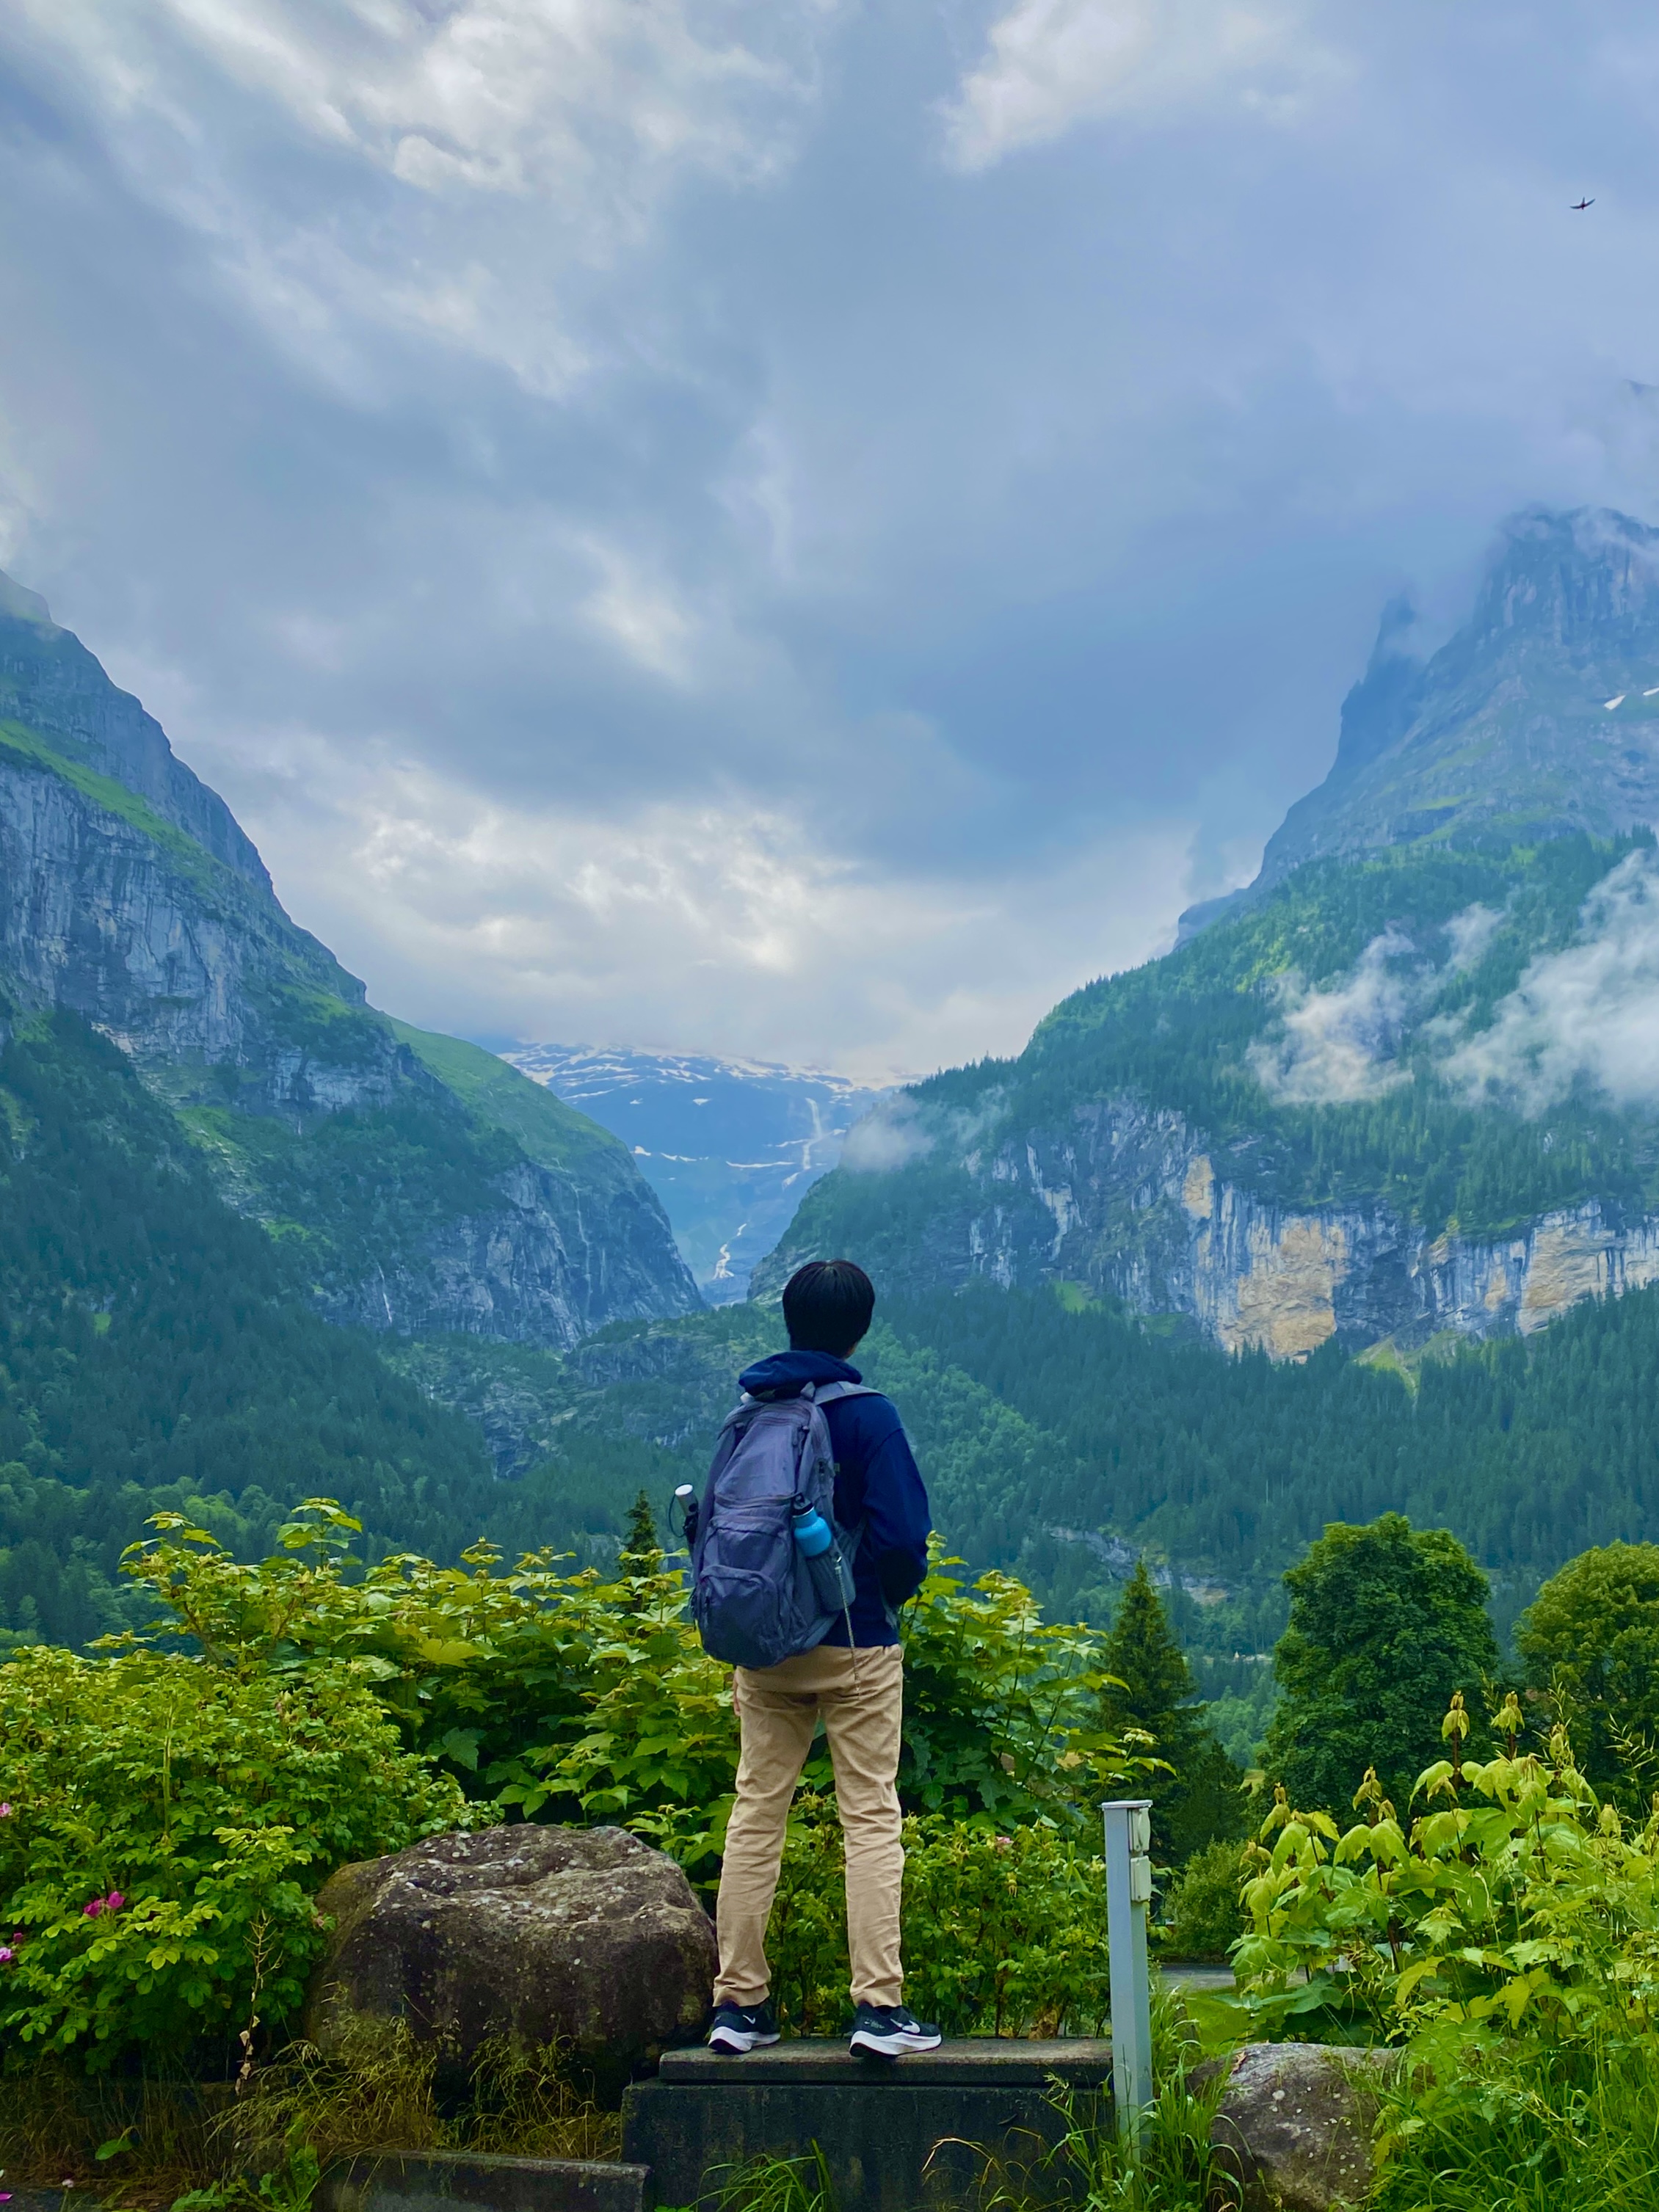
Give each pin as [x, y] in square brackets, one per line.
[812, 1532]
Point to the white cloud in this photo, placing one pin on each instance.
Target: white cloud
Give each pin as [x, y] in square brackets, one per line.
[891, 1135]
[576, 120]
[512, 96]
[1051, 64]
[1589, 1013]
[641, 615]
[486, 384]
[677, 925]
[1337, 1045]
[1469, 934]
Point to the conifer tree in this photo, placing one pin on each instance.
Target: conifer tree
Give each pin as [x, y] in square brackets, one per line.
[640, 1548]
[1201, 1800]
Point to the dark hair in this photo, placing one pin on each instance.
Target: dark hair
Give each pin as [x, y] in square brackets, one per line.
[827, 1305]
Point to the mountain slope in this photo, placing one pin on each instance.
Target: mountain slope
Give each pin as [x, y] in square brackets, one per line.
[421, 1183]
[1404, 1088]
[1538, 717]
[51, 682]
[1059, 1436]
[157, 1353]
[730, 1147]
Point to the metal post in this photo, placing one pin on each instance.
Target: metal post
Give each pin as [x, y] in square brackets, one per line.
[1128, 1893]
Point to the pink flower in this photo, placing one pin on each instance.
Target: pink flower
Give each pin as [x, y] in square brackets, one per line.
[114, 1901]
[7, 1954]
[94, 1908]
[5, 1812]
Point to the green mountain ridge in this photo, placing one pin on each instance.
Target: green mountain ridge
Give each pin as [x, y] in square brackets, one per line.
[1538, 717]
[226, 1183]
[1396, 1088]
[1162, 1139]
[426, 1184]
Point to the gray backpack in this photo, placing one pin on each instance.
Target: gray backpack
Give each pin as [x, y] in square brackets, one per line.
[757, 1598]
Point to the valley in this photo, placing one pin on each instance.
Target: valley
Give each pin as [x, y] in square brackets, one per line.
[730, 1147]
[1350, 1203]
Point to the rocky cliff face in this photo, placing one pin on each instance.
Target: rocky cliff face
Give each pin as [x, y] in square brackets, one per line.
[1131, 1201]
[1539, 715]
[108, 909]
[1429, 1020]
[50, 682]
[435, 1189]
[553, 1259]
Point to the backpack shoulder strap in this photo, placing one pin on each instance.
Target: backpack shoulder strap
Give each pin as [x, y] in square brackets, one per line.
[825, 1393]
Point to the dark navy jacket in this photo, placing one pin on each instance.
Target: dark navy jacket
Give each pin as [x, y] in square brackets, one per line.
[877, 1481]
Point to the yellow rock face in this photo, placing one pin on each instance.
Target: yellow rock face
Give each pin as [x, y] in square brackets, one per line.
[1198, 1192]
[1286, 1303]
[1568, 1261]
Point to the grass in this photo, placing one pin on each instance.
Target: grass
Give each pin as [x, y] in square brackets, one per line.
[265, 2139]
[377, 2092]
[192, 859]
[548, 1131]
[151, 2139]
[778, 2184]
[1169, 2164]
[1543, 2127]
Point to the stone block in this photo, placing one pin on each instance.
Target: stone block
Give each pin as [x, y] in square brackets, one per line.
[1295, 2125]
[463, 2181]
[896, 2136]
[525, 1934]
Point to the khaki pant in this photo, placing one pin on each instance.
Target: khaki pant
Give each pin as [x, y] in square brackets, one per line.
[778, 1708]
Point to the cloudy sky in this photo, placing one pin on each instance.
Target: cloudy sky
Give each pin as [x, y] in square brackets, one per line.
[793, 526]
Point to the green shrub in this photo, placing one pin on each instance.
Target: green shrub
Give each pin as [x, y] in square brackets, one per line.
[165, 1822]
[1005, 1934]
[1508, 1937]
[806, 1935]
[568, 1697]
[1206, 1918]
[1518, 1899]
[1002, 1716]
[1590, 1638]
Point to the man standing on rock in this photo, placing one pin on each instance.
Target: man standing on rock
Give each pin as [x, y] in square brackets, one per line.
[761, 1529]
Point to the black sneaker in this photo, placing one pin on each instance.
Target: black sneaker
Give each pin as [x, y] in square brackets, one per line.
[888, 2030]
[739, 2028]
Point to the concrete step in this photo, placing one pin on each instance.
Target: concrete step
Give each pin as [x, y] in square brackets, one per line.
[1082, 2061]
[912, 2132]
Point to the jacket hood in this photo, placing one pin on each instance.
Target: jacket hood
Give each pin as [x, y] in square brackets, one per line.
[782, 1375]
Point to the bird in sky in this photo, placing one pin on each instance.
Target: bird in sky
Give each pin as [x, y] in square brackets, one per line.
[1578, 206]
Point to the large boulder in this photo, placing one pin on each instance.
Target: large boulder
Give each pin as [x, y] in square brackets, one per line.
[1295, 2125]
[582, 1936]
